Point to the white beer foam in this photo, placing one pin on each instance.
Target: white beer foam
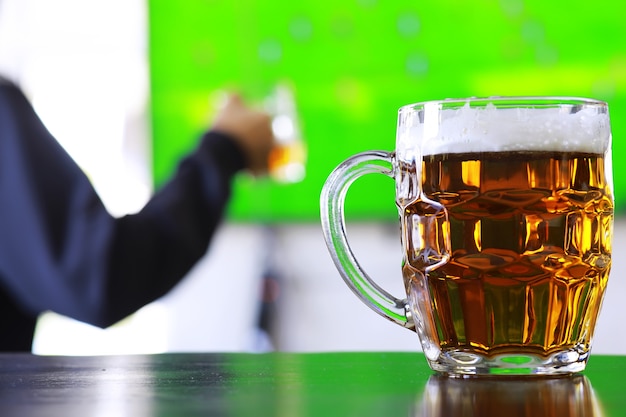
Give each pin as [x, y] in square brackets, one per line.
[472, 129]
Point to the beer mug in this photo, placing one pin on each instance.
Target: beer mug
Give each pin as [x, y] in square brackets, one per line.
[506, 215]
[287, 159]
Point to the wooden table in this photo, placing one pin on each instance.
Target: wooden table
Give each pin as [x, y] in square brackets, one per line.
[292, 385]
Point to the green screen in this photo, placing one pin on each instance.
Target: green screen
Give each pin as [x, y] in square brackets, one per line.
[352, 64]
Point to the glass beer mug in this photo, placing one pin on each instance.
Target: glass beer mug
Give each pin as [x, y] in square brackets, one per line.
[506, 214]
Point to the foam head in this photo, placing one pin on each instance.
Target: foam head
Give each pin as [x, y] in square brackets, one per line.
[438, 129]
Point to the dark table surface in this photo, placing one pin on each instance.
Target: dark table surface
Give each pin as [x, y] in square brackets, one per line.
[293, 384]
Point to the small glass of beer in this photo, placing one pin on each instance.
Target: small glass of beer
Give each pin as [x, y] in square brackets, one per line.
[287, 159]
[506, 213]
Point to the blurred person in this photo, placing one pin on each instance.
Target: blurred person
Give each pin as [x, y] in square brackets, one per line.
[62, 251]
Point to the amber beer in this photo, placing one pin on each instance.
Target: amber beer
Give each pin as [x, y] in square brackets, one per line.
[287, 159]
[529, 236]
[506, 215]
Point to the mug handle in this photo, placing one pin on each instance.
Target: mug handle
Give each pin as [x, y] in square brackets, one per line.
[333, 226]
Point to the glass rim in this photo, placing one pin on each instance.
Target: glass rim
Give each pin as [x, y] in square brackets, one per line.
[504, 102]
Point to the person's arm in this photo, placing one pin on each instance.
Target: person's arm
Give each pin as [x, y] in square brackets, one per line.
[152, 250]
[60, 249]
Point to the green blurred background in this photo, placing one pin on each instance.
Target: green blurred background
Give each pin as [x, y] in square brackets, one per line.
[352, 64]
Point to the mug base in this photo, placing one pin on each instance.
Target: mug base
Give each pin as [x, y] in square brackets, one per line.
[465, 364]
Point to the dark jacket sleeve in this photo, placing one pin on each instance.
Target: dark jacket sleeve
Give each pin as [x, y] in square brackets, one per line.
[61, 250]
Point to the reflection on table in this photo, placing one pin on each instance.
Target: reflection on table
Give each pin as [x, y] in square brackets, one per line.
[293, 385]
[556, 397]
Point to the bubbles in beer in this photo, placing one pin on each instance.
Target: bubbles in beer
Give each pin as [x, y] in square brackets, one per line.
[529, 250]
